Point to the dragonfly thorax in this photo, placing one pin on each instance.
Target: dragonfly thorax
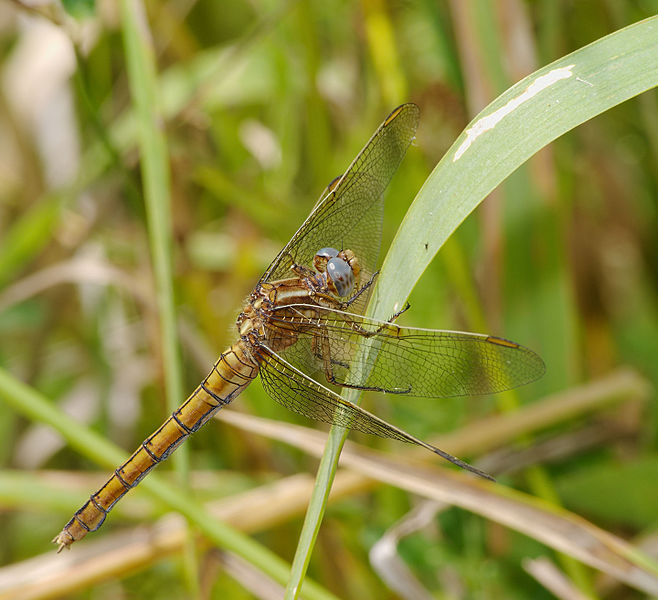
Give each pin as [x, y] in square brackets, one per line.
[340, 269]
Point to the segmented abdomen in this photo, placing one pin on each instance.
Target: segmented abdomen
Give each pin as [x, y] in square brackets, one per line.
[232, 372]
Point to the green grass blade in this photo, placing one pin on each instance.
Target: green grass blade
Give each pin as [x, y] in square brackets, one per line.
[316, 507]
[502, 137]
[155, 174]
[140, 61]
[28, 235]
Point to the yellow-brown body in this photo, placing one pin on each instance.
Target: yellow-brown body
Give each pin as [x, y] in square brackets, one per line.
[230, 375]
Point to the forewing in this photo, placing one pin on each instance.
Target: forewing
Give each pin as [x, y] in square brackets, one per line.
[365, 353]
[349, 214]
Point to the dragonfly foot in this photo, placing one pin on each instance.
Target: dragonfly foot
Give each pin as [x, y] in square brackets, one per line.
[397, 314]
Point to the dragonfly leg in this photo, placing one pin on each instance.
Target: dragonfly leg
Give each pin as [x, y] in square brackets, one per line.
[316, 349]
[368, 333]
[360, 291]
[301, 270]
[406, 307]
[328, 365]
[369, 388]
[298, 269]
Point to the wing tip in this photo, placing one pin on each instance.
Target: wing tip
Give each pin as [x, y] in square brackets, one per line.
[460, 463]
[409, 107]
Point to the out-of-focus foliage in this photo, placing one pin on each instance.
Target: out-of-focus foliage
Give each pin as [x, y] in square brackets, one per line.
[264, 104]
[80, 8]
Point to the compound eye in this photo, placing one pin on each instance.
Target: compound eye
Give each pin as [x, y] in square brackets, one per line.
[322, 257]
[340, 276]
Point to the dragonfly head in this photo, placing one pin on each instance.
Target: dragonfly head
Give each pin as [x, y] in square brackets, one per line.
[322, 257]
[341, 269]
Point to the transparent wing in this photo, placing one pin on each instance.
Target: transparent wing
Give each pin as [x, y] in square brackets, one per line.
[401, 360]
[349, 214]
[297, 392]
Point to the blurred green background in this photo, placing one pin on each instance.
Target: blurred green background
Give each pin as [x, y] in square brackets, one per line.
[264, 104]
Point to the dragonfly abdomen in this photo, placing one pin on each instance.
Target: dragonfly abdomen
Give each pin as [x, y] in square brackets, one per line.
[232, 372]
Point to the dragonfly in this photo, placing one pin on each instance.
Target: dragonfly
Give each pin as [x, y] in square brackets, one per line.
[303, 330]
